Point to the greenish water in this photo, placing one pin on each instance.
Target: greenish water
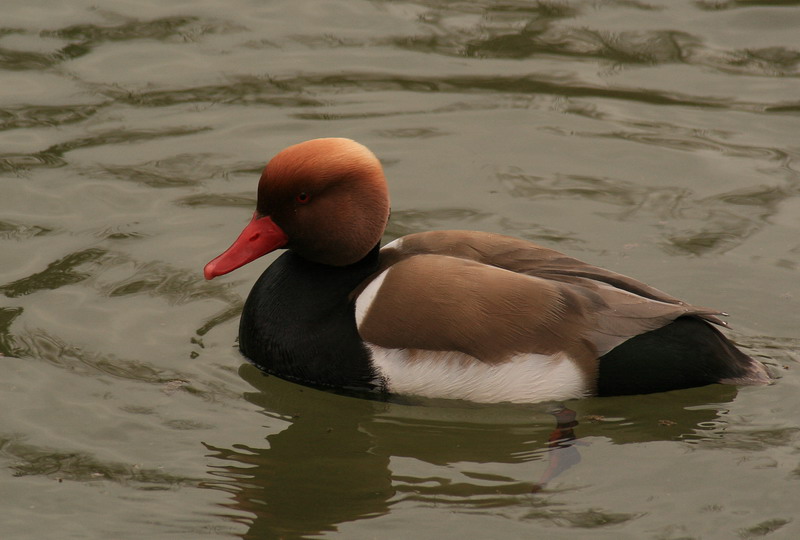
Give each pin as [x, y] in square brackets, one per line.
[659, 139]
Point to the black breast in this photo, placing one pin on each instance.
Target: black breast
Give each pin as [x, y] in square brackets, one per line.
[299, 323]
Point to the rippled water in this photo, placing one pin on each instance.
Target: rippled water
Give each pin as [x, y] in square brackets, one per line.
[659, 139]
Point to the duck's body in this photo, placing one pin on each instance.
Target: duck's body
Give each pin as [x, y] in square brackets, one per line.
[452, 314]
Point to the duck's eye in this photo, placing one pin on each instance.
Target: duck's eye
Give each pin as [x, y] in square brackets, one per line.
[302, 197]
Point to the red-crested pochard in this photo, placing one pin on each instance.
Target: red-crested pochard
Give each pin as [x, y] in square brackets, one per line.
[449, 314]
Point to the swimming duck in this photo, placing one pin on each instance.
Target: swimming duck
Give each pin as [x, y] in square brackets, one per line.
[449, 314]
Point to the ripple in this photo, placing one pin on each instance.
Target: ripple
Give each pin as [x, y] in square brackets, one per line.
[764, 528]
[217, 200]
[68, 270]
[22, 60]
[754, 440]
[437, 490]
[604, 190]
[30, 116]
[175, 171]
[175, 285]
[241, 90]
[84, 38]
[582, 519]
[53, 156]
[541, 30]
[162, 28]
[222, 317]
[716, 5]
[410, 221]
[767, 62]
[694, 140]
[411, 133]
[32, 460]
[539, 83]
[8, 346]
[540, 233]
[628, 47]
[21, 231]
[40, 346]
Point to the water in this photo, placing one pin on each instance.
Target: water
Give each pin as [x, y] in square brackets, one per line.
[659, 139]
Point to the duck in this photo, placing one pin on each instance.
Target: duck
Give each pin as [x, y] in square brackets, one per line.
[451, 314]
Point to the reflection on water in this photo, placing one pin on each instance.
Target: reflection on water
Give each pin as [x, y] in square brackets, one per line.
[655, 138]
[320, 471]
[341, 459]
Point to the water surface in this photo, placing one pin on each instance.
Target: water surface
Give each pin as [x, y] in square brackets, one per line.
[658, 139]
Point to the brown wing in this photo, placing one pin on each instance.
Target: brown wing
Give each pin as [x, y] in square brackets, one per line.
[492, 296]
[525, 257]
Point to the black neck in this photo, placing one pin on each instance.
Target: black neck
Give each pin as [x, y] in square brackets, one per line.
[299, 323]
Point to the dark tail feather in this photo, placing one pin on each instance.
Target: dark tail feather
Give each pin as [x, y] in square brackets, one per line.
[686, 353]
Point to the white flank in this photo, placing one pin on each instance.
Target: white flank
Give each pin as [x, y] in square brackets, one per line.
[525, 378]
